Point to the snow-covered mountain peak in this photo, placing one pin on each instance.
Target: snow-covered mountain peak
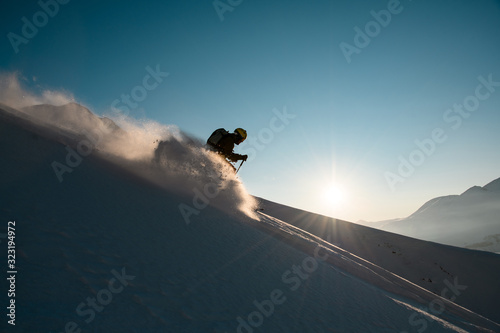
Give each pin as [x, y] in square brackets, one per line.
[470, 219]
[493, 186]
[435, 204]
[474, 190]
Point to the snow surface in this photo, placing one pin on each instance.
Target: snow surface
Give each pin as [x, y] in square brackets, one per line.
[427, 264]
[159, 240]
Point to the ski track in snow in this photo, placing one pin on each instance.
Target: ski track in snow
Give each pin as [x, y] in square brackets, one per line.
[198, 277]
[367, 272]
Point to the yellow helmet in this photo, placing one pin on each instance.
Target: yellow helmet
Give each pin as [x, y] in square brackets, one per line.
[241, 132]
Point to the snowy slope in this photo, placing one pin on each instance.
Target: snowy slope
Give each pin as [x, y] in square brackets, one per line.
[110, 250]
[429, 265]
[470, 220]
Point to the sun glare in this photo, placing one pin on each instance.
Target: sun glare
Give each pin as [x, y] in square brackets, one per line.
[333, 195]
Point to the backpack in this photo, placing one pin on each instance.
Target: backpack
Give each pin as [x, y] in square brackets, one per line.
[218, 134]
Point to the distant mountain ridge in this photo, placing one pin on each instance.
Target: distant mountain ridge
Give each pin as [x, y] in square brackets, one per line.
[471, 219]
[493, 186]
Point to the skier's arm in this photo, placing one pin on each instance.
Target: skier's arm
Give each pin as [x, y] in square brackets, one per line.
[226, 146]
[236, 157]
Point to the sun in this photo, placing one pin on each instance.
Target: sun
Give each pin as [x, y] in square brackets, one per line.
[333, 195]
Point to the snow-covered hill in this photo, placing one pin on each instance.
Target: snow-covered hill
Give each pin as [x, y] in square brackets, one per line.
[470, 220]
[429, 265]
[160, 242]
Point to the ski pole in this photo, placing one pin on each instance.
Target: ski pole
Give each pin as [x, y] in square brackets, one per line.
[239, 167]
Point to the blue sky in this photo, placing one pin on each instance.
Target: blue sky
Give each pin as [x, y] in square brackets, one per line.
[318, 118]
